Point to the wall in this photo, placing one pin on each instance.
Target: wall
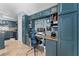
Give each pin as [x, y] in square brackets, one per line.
[20, 26]
[42, 23]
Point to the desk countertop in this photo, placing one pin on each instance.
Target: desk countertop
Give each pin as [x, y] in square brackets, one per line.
[47, 37]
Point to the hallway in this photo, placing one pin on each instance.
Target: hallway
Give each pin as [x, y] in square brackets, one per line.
[16, 48]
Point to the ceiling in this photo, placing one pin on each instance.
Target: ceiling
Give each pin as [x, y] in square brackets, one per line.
[13, 9]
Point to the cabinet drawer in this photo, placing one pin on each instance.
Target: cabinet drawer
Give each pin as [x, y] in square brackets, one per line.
[2, 44]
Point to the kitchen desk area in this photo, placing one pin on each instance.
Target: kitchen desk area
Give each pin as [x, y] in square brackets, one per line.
[51, 42]
[63, 25]
[48, 24]
[50, 45]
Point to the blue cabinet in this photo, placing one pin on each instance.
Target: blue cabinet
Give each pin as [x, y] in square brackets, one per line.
[41, 14]
[33, 16]
[8, 23]
[2, 44]
[67, 7]
[25, 29]
[7, 35]
[67, 45]
[3, 22]
[78, 8]
[78, 34]
[51, 48]
[78, 29]
[15, 35]
[11, 34]
[46, 13]
[12, 23]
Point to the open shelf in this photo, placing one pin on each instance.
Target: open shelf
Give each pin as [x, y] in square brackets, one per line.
[54, 20]
[55, 26]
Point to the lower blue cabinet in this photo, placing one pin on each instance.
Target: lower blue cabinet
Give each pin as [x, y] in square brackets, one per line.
[67, 45]
[7, 36]
[66, 48]
[2, 40]
[51, 48]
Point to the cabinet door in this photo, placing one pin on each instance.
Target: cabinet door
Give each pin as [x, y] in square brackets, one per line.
[33, 16]
[27, 30]
[68, 35]
[66, 48]
[78, 34]
[13, 24]
[2, 41]
[78, 8]
[46, 13]
[7, 35]
[50, 48]
[67, 7]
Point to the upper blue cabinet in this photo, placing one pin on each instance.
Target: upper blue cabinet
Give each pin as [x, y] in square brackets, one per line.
[67, 7]
[38, 15]
[78, 8]
[8, 23]
[41, 14]
[33, 16]
[12, 23]
[45, 13]
[3, 22]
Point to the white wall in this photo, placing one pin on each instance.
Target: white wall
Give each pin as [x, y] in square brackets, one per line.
[20, 26]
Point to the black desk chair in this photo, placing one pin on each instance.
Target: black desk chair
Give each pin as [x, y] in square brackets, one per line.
[35, 46]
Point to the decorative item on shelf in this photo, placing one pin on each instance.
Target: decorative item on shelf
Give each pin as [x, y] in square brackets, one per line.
[55, 17]
[48, 28]
[53, 34]
[54, 20]
[40, 29]
[51, 23]
[48, 20]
